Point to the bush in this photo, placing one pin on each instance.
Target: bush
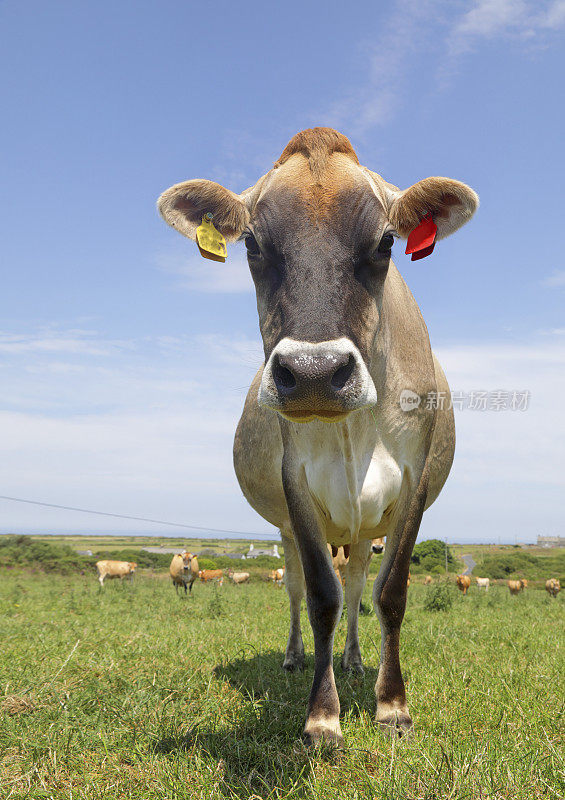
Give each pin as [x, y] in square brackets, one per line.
[23, 551]
[439, 598]
[207, 563]
[430, 554]
[438, 570]
[519, 565]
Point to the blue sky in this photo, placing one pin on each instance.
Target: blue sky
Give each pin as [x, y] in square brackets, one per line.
[124, 357]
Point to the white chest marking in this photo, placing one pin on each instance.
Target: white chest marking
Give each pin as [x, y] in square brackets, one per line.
[352, 477]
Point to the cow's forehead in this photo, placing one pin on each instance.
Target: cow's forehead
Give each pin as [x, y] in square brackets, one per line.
[337, 197]
[319, 192]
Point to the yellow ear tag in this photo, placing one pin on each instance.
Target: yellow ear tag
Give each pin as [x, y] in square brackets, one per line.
[210, 241]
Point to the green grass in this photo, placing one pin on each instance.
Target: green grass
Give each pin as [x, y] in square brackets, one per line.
[133, 692]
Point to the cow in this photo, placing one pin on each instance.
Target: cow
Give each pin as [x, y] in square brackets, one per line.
[427, 580]
[184, 570]
[341, 439]
[277, 576]
[483, 583]
[553, 587]
[238, 577]
[463, 583]
[516, 587]
[206, 575]
[115, 569]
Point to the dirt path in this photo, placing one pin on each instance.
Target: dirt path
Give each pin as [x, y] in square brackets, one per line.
[470, 563]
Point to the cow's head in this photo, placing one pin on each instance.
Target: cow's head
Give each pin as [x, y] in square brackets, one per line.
[132, 566]
[186, 559]
[319, 230]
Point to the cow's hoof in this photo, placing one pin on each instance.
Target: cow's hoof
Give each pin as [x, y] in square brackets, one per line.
[353, 666]
[294, 662]
[317, 734]
[397, 724]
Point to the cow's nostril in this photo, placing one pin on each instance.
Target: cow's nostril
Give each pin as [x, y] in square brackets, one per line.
[343, 374]
[283, 377]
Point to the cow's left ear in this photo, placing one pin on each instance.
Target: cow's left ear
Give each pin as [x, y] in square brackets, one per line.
[184, 204]
[451, 204]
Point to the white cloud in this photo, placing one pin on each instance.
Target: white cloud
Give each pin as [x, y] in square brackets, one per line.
[556, 279]
[488, 19]
[51, 340]
[375, 99]
[441, 32]
[198, 274]
[554, 16]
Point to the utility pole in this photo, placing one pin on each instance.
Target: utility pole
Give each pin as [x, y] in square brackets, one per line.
[446, 555]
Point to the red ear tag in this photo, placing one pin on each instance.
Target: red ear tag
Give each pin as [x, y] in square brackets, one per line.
[422, 239]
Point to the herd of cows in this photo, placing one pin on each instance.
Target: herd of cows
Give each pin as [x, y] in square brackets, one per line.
[184, 571]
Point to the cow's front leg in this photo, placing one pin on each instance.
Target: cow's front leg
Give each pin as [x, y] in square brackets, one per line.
[294, 580]
[324, 600]
[355, 572]
[389, 597]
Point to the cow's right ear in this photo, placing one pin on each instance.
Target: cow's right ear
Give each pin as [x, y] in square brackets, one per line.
[184, 204]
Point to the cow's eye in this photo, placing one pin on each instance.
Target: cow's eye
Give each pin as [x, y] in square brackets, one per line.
[385, 245]
[253, 248]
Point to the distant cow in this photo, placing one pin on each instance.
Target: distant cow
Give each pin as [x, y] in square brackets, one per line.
[463, 583]
[183, 571]
[277, 576]
[427, 580]
[553, 587]
[483, 583]
[206, 575]
[340, 557]
[517, 586]
[238, 577]
[115, 569]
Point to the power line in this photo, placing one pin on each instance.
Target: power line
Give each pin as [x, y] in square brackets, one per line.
[247, 534]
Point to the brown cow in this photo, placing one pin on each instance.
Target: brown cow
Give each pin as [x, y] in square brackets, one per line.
[115, 569]
[427, 580]
[516, 587]
[553, 587]
[184, 570]
[463, 583]
[344, 343]
[206, 575]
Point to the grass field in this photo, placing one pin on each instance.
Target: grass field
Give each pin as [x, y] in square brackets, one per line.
[133, 692]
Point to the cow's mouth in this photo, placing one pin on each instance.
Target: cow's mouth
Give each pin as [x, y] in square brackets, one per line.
[308, 416]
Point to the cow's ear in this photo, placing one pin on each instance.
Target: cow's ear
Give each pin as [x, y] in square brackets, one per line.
[184, 204]
[451, 204]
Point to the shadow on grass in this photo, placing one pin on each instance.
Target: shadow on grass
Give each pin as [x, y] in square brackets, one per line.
[260, 747]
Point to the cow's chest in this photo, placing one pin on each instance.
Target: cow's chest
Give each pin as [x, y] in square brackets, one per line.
[351, 482]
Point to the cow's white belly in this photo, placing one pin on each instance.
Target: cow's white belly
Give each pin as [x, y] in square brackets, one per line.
[351, 494]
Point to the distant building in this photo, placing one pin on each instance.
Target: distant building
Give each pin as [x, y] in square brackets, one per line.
[254, 552]
[551, 541]
[84, 552]
[233, 555]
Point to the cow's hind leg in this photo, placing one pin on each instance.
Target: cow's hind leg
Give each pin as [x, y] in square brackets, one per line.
[355, 572]
[389, 597]
[324, 597]
[294, 656]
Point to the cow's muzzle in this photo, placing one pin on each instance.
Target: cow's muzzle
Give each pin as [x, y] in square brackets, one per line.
[323, 380]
